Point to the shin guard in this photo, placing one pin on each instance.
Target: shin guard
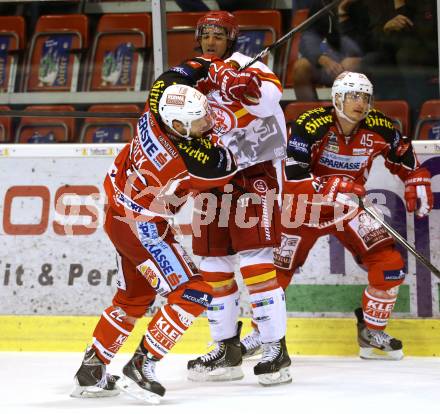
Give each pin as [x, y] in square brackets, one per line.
[222, 316]
[167, 326]
[269, 312]
[377, 310]
[110, 333]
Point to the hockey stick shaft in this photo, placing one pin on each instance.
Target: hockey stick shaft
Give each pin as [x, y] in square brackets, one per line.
[302, 26]
[399, 238]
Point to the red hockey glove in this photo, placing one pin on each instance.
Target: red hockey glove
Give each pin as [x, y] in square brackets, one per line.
[418, 187]
[241, 86]
[335, 185]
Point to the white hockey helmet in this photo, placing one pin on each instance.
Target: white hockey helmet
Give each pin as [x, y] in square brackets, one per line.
[185, 104]
[350, 82]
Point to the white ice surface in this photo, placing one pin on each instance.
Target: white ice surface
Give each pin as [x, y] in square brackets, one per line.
[39, 383]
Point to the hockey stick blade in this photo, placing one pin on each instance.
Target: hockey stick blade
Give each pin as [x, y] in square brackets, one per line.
[400, 239]
[304, 25]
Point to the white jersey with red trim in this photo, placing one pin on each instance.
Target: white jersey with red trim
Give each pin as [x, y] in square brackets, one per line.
[254, 133]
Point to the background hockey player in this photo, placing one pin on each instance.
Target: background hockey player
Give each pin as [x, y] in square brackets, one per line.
[330, 152]
[150, 261]
[256, 131]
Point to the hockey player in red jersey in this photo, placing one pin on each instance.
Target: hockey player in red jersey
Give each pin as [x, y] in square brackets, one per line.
[330, 152]
[255, 128]
[170, 155]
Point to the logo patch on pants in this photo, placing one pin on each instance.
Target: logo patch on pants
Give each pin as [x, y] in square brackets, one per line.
[198, 297]
[398, 274]
[284, 255]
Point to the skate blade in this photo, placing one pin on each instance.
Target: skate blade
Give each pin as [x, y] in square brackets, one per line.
[377, 354]
[217, 375]
[275, 378]
[130, 387]
[92, 391]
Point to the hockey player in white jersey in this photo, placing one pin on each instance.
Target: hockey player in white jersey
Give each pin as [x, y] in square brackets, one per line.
[255, 132]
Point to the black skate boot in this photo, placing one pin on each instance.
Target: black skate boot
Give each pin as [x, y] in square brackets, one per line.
[251, 345]
[140, 378]
[375, 344]
[221, 364]
[273, 369]
[91, 380]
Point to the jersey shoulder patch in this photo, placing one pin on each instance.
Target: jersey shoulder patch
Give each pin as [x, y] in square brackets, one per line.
[314, 123]
[378, 122]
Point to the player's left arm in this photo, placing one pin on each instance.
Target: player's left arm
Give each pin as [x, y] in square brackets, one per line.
[208, 165]
[401, 160]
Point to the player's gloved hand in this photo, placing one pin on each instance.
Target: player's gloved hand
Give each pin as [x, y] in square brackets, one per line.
[243, 86]
[418, 193]
[336, 185]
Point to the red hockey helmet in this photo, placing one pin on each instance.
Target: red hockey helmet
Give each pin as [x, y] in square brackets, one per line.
[222, 19]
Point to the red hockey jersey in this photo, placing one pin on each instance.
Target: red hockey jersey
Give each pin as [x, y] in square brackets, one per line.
[318, 148]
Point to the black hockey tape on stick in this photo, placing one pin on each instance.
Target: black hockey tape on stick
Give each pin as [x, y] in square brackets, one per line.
[304, 25]
[70, 114]
[400, 239]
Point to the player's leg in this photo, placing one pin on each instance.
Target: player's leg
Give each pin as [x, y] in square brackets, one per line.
[375, 250]
[131, 302]
[170, 271]
[257, 204]
[223, 363]
[269, 312]
[213, 244]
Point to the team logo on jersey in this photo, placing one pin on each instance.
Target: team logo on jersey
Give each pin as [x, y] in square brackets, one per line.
[225, 120]
[260, 186]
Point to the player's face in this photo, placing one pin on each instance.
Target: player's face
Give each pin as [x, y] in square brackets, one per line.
[356, 105]
[202, 125]
[214, 41]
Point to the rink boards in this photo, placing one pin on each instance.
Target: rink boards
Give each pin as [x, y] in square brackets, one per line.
[55, 260]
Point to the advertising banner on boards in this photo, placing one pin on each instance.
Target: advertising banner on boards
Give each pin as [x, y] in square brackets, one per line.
[56, 259]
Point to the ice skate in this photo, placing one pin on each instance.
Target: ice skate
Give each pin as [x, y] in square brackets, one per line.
[140, 379]
[251, 345]
[273, 369]
[221, 364]
[92, 380]
[375, 344]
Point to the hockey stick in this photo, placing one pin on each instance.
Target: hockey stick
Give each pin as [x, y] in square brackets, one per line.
[304, 25]
[398, 237]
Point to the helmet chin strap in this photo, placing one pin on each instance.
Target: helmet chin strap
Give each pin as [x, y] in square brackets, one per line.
[346, 117]
[342, 115]
[187, 136]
